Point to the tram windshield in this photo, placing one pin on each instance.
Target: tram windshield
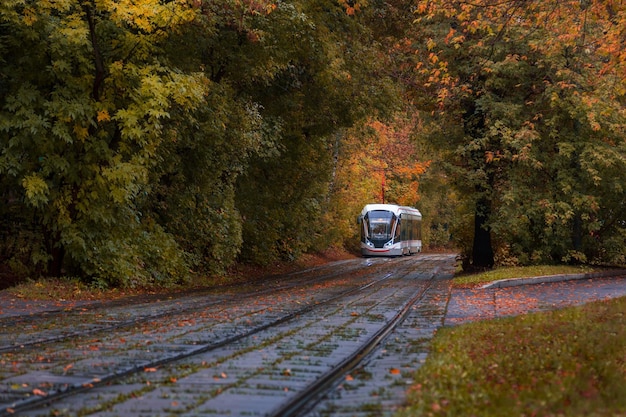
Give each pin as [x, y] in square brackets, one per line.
[380, 224]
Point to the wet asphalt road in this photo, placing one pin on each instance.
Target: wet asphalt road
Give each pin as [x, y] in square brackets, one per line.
[245, 351]
[532, 295]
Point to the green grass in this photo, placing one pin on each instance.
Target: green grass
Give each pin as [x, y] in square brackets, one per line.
[569, 362]
[519, 272]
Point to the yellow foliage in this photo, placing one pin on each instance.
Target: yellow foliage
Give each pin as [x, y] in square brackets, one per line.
[81, 132]
[29, 17]
[386, 165]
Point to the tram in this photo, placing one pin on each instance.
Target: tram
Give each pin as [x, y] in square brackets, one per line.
[390, 230]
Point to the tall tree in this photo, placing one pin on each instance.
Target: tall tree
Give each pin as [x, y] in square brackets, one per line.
[325, 84]
[532, 93]
[116, 149]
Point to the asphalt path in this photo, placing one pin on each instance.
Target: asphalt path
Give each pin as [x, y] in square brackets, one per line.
[526, 295]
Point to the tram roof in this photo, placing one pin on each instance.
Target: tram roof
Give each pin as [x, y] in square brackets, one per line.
[394, 208]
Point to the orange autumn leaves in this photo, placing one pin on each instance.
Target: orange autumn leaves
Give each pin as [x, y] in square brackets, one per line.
[575, 27]
[352, 7]
[380, 162]
[397, 161]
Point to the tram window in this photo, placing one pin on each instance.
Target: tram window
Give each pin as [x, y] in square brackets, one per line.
[379, 229]
[396, 236]
[380, 224]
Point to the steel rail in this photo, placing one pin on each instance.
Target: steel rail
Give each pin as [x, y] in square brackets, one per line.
[306, 399]
[77, 388]
[21, 346]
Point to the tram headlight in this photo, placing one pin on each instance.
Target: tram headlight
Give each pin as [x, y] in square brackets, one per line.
[368, 243]
[389, 244]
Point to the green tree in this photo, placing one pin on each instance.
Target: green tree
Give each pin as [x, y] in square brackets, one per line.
[111, 136]
[142, 140]
[328, 58]
[532, 96]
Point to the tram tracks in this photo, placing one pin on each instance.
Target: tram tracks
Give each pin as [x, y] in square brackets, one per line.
[305, 400]
[62, 388]
[272, 331]
[57, 325]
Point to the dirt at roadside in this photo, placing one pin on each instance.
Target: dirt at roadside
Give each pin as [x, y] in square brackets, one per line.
[17, 303]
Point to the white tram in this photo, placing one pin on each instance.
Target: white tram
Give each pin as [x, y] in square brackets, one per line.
[390, 230]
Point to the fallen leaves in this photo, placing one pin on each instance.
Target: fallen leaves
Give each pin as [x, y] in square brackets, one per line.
[473, 304]
[67, 368]
[223, 375]
[40, 393]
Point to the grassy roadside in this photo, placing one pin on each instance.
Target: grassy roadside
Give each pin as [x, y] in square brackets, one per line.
[73, 289]
[569, 362]
[520, 272]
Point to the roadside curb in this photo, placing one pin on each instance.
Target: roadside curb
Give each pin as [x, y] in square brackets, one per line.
[514, 282]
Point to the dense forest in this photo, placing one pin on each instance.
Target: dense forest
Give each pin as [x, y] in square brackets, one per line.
[145, 142]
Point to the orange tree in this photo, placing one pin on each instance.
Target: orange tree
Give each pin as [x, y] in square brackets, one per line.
[528, 100]
[376, 162]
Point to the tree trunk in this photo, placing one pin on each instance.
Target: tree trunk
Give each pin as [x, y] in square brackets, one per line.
[55, 266]
[482, 251]
[56, 251]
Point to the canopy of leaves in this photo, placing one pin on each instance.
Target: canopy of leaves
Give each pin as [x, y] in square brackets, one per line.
[530, 103]
[326, 85]
[142, 140]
